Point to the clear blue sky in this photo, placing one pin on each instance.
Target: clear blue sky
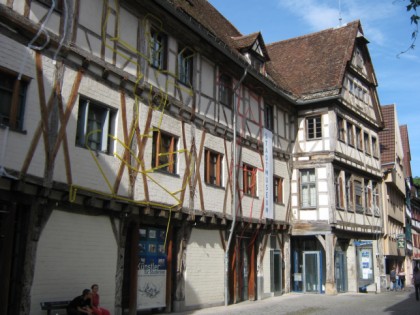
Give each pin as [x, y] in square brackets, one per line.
[386, 24]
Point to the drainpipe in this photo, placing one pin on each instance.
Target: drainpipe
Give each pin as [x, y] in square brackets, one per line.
[233, 191]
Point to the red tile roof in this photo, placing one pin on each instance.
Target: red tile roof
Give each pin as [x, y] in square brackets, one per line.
[387, 136]
[315, 63]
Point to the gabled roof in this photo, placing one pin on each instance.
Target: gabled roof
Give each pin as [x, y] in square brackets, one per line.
[246, 42]
[406, 150]
[390, 138]
[315, 64]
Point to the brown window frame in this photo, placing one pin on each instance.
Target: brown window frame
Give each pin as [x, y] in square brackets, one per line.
[167, 161]
[213, 168]
[278, 183]
[249, 180]
[366, 140]
[339, 193]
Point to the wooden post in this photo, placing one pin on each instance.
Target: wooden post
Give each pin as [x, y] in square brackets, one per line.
[330, 287]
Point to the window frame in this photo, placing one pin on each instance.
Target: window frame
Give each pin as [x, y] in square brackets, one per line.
[158, 49]
[312, 204]
[17, 93]
[226, 90]
[211, 168]
[375, 148]
[349, 192]
[278, 190]
[105, 116]
[158, 160]
[249, 180]
[339, 190]
[341, 130]
[185, 66]
[350, 135]
[366, 140]
[314, 132]
[359, 138]
[269, 117]
[358, 195]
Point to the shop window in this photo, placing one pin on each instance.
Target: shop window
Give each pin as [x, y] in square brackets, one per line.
[278, 190]
[12, 99]
[313, 128]
[95, 124]
[185, 66]
[308, 188]
[249, 180]
[158, 49]
[213, 168]
[164, 155]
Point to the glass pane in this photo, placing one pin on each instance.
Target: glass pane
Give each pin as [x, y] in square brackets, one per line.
[311, 272]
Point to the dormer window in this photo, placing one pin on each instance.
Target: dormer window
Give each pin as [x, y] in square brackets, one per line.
[253, 48]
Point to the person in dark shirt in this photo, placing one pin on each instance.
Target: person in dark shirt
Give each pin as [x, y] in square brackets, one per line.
[80, 304]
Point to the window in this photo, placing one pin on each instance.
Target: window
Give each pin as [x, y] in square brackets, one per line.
[349, 192]
[367, 143]
[185, 66]
[58, 4]
[225, 90]
[158, 47]
[268, 117]
[340, 128]
[368, 197]
[375, 199]
[308, 188]
[95, 122]
[278, 190]
[339, 190]
[358, 190]
[213, 170]
[164, 152]
[313, 127]
[374, 147]
[12, 100]
[359, 139]
[350, 134]
[249, 180]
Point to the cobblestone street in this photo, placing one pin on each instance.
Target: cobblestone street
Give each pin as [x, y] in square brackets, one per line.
[401, 302]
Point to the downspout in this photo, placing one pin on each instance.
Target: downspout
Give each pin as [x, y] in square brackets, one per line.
[233, 191]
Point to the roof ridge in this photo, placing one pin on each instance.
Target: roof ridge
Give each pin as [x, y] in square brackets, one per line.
[315, 33]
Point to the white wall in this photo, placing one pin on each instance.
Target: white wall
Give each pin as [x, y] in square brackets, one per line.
[74, 251]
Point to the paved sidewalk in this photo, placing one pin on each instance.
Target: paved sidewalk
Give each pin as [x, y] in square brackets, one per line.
[396, 303]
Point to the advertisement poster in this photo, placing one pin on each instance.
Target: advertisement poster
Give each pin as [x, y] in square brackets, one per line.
[366, 264]
[151, 282]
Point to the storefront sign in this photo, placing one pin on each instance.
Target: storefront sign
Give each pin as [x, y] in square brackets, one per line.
[151, 275]
[401, 241]
[268, 174]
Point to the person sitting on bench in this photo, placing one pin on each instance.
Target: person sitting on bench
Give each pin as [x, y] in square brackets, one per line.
[80, 304]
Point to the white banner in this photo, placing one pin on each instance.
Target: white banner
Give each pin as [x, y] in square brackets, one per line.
[268, 174]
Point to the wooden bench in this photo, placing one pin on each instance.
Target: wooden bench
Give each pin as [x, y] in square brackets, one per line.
[56, 305]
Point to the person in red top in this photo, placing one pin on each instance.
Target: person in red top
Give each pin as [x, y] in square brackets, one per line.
[96, 309]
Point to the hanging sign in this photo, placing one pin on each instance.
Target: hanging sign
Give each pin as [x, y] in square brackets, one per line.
[268, 174]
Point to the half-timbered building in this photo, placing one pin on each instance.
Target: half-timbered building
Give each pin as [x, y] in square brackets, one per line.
[336, 179]
[392, 156]
[144, 148]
